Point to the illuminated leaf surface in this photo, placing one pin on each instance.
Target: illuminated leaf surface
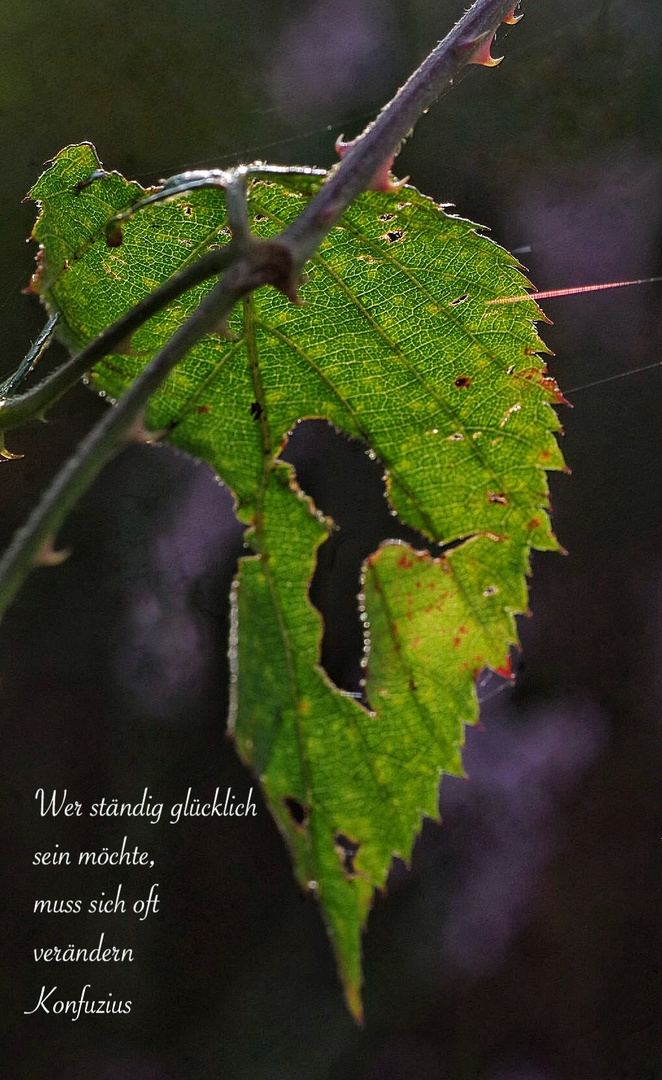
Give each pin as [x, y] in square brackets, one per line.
[396, 344]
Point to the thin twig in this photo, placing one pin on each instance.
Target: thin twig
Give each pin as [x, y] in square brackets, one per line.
[30, 359]
[34, 542]
[382, 140]
[34, 402]
[252, 263]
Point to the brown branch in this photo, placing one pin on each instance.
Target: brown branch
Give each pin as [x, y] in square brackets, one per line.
[252, 263]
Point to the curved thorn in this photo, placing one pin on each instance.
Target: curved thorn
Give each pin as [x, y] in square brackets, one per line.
[483, 55]
[382, 179]
[7, 455]
[48, 556]
[513, 19]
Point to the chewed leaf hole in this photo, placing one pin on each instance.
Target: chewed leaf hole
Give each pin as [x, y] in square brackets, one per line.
[459, 300]
[348, 485]
[347, 851]
[386, 217]
[393, 236]
[297, 811]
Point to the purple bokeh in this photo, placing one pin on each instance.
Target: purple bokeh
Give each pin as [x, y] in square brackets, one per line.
[167, 643]
[508, 824]
[325, 53]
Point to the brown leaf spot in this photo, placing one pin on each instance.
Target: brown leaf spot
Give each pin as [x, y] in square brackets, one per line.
[347, 850]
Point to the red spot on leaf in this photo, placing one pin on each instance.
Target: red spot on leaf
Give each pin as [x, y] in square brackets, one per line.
[534, 523]
[405, 562]
[546, 383]
[33, 287]
[506, 669]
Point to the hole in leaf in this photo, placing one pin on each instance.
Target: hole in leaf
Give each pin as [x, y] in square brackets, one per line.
[393, 237]
[386, 217]
[459, 300]
[347, 851]
[348, 486]
[297, 811]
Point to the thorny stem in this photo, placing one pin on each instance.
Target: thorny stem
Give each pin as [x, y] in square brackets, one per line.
[383, 138]
[33, 543]
[252, 264]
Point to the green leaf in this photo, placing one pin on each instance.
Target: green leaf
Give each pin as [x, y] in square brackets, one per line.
[395, 343]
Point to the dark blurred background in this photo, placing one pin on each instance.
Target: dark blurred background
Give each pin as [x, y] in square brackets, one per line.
[524, 944]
